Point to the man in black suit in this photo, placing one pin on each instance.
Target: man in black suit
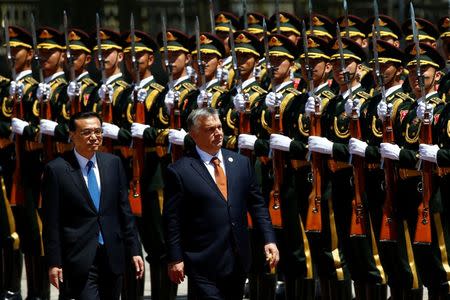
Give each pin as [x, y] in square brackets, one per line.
[88, 226]
[208, 194]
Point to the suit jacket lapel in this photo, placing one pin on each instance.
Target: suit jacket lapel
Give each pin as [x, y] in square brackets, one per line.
[77, 177]
[103, 170]
[230, 169]
[200, 167]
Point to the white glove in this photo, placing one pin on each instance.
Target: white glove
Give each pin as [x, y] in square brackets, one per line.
[247, 141]
[357, 147]
[420, 110]
[73, 89]
[16, 88]
[320, 145]
[349, 106]
[137, 130]
[239, 102]
[176, 137]
[105, 92]
[141, 94]
[110, 130]
[382, 108]
[273, 99]
[43, 91]
[202, 96]
[428, 152]
[390, 151]
[169, 99]
[47, 127]
[310, 106]
[280, 142]
[257, 71]
[222, 74]
[190, 71]
[18, 125]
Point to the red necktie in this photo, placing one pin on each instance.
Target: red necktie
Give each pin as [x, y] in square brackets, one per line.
[221, 179]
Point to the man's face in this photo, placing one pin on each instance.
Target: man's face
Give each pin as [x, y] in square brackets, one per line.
[87, 136]
[179, 60]
[51, 60]
[112, 59]
[320, 69]
[144, 61]
[80, 60]
[350, 65]
[210, 63]
[389, 71]
[431, 76]
[208, 134]
[282, 67]
[22, 57]
[246, 63]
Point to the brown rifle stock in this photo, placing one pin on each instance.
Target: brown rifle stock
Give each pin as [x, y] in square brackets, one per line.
[17, 195]
[175, 123]
[277, 162]
[47, 141]
[107, 114]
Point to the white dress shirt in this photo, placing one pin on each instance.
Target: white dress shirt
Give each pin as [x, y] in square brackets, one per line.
[83, 165]
[206, 158]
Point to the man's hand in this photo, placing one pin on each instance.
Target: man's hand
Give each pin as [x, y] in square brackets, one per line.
[55, 275]
[272, 255]
[139, 266]
[176, 272]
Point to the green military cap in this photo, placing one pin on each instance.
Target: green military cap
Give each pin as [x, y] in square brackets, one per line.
[254, 22]
[109, 39]
[288, 23]
[322, 26]
[428, 56]
[79, 40]
[209, 44]
[356, 26]
[350, 49]
[388, 27]
[142, 42]
[387, 53]
[318, 48]
[19, 37]
[176, 41]
[247, 42]
[444, 27]
[224, 19]
[426, 30]
[49, 38]
[280, 45]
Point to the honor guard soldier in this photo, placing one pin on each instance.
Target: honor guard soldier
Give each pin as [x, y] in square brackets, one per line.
[26, 125]
[427, 32]
[431, 269]
[444, 84]
[181, 93]
[378, 186]
[322, 27]
[390, 30]
[82, 87]
[151, 94]
[340, 254]
[223, 22]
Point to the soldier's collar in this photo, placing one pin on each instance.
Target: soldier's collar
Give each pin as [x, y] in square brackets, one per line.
[85, 73]
[248, 82]
[347, 92]
[23, 74]
[145, 81]
[317, 89]
[113, 77]
[393, 89]
[51, 78]
[227, 60]
[211, 83]
[282, 85]
[179, 80]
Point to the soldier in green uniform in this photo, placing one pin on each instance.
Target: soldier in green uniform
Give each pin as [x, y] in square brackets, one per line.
[82, 85]
[341, 257]
[427, 32]
[322, 26]
[156, 120]
[180, 90]
[390, 30]
[394, 258]
[223, 22]
[297, 172]
[431, 264]
[444, 84]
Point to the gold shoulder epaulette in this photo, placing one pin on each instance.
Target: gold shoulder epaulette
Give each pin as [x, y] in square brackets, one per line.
[328, 94]
[4, 79]
[189, 86]
[294, 91]
[258, 89]
[59, 80]
[121, 83]
[363, 94]
[435, 100]
[30, 80]
[403, 96]
[220, 89]
[157, 86]
[366, 68]
[88, 81]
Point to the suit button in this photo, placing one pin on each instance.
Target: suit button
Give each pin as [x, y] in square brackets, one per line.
[233, 224]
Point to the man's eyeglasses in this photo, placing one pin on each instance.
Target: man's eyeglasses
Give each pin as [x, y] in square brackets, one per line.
[88, 132]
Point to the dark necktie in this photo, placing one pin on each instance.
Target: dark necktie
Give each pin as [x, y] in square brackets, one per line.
[94, 192]
[219, 174]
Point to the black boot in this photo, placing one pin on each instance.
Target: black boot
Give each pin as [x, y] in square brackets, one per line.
[324, 289]
[376, 292]
[162, 287]
[360, 290]
[12, 273]
[341, 290]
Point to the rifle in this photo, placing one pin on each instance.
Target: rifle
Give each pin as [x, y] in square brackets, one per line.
[75, 104]
[244, 13]
[45, 109]
[277, 157]
[357, 227]
[17, 195]
[183, 16]
[134, 195]
[347, 29]
[175, 114]
[201, 67]
[423, 226]
[107, 112]
[310, 11]
[314, 215]
[211, 17]
[388, 232]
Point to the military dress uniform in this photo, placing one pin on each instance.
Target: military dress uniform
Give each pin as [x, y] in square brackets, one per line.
[444, 83]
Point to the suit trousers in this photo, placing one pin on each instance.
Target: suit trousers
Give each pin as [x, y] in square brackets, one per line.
[101, 283]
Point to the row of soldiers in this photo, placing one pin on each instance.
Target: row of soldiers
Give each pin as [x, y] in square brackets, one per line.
[292, 104]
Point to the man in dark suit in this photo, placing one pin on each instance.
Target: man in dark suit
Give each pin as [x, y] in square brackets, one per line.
[88, 226]
[208, 194]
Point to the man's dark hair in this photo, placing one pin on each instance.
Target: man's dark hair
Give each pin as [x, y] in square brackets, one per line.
[82, 115]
